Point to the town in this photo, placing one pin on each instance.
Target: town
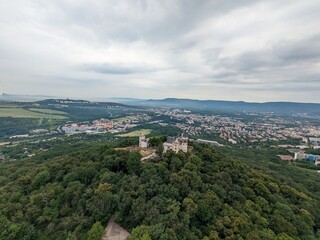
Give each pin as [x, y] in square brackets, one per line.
[252, 130]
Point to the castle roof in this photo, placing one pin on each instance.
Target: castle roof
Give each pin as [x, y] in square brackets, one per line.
[170, 140]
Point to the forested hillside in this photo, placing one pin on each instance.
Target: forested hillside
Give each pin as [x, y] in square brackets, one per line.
[202, 195]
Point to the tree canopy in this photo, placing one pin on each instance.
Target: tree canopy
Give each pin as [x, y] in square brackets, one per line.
[200, 195]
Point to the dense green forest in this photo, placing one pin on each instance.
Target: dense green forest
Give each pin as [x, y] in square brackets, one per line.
[200, 195]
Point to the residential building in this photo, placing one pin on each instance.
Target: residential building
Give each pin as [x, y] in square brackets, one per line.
[299, 155]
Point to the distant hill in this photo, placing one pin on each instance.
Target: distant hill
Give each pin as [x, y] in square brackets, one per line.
[283, 108]
[35, 98]
[117, 100]
[83, 110]
[81, 103]
[58, 101]
[287, 108]
[23, 98]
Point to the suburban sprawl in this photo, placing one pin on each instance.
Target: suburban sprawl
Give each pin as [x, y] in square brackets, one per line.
[298, 135]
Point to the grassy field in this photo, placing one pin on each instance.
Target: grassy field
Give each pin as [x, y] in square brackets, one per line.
[122, 119]
[7, 105]
[136, 133]
[47, 111]
[17, 112]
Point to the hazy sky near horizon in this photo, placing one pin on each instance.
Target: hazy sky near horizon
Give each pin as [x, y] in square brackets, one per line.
[207, 49]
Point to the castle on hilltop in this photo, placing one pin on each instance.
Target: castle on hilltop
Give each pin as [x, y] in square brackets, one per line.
[176, 144]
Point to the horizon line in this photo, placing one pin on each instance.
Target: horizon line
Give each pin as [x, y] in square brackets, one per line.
[146, 99]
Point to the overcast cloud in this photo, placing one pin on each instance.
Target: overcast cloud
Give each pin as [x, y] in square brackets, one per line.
[229, 50]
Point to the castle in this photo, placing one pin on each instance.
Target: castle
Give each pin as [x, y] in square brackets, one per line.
[143, 142]
[176, 144]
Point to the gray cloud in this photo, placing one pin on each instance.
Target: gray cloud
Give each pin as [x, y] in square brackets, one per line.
[286, 64]
[302, 50]
[117, 68]
[172, 48]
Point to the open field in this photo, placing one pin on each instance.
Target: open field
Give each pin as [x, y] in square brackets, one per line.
[7, 105]
[23, 113]
[121, 119]
[47, 111]
[136, 133]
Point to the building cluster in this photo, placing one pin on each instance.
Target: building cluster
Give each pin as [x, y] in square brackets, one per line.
[103, 124]
[299, 154]
[106, 125]
[97, 126]
[176, 144]
[315, 142]
[244, 128]
[249, 129]
[309, 157]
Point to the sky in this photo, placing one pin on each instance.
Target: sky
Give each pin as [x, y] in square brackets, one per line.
[202, 49]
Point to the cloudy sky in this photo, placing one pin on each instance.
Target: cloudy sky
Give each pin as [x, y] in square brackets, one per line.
[206, 49]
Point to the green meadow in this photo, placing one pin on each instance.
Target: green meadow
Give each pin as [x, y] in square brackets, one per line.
[46, 111]
[17, 112]
[136, 133]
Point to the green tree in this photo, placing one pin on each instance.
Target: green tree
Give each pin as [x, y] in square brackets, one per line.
[146, 237]
[96, 232]
[140, 232]
[40, 179]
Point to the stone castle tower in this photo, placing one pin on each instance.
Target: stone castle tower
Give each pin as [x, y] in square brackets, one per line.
[143, 142]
